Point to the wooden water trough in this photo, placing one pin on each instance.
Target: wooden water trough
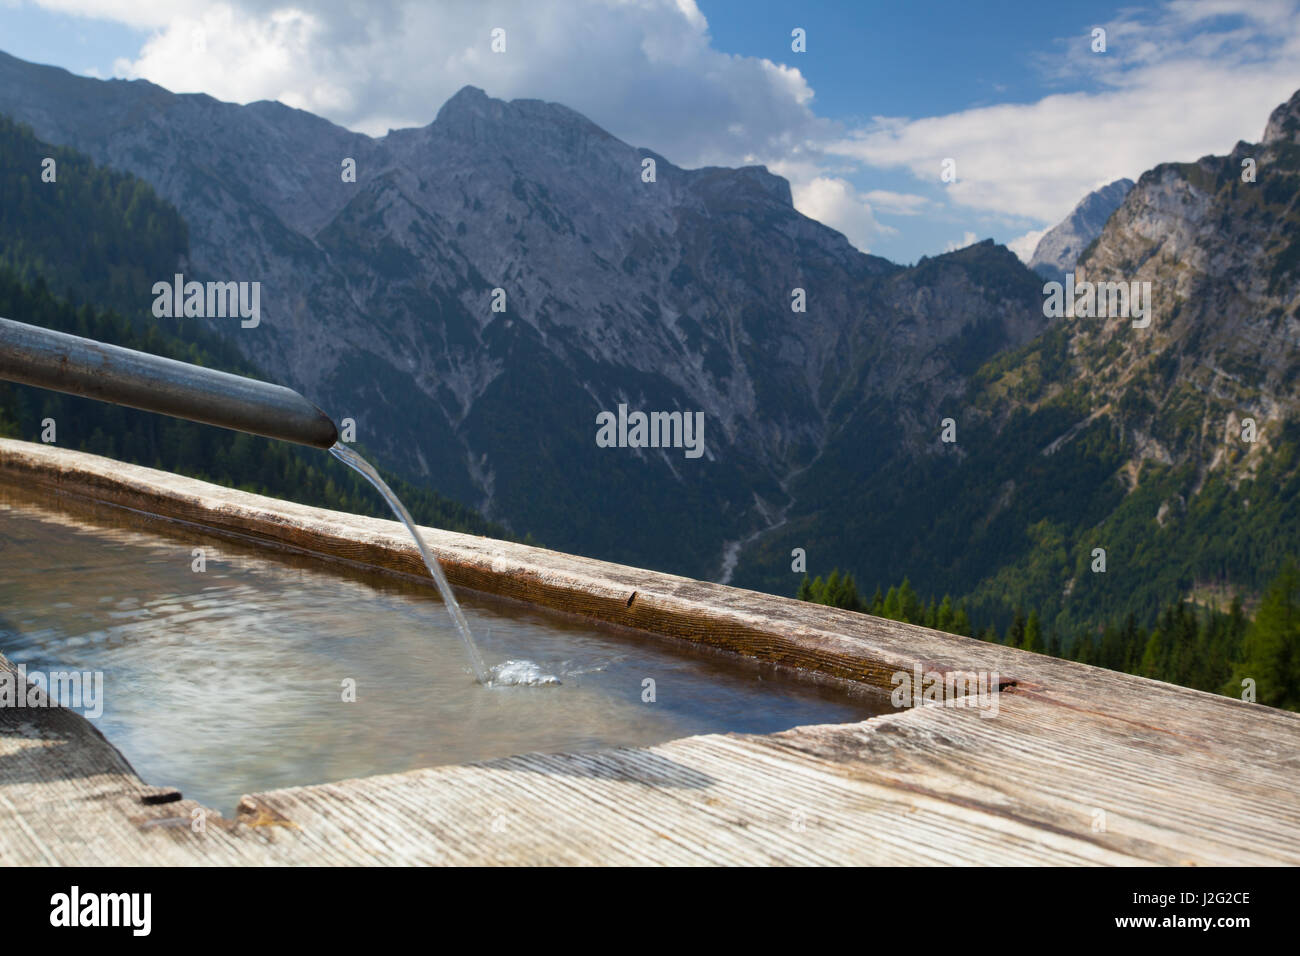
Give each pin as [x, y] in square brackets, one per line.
[1079, 766]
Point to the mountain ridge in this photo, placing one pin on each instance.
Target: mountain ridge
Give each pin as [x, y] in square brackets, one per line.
[1097, 434]
[377, 302]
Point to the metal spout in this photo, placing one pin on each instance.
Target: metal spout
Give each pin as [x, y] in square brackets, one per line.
[68, 363]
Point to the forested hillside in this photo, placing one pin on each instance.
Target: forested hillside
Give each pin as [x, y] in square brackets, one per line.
[1211, 647]
[100, 239]
[1105, 470]
[494, 280]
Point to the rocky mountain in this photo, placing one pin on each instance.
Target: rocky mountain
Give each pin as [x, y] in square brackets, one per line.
[1060, 248]
[74, 254]
[492, 282]
[1109, 465]
[1172, 448]
[1219, 240]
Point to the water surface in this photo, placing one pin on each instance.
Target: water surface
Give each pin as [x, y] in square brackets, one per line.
[232, 680]
[367, 471]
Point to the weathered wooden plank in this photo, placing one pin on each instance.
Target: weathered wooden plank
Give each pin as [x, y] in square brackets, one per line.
[926, 786]
[1180, 776]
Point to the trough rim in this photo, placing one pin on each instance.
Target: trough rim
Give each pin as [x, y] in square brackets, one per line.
[822, 640]
[1130, 738]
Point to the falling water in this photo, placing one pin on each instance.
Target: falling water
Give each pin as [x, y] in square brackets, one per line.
[353, 460]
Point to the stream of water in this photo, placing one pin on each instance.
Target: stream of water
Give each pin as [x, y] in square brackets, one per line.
[510, 672]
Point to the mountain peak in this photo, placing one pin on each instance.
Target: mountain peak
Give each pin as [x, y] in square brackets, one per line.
[737, 182]
[1061, 245]
[1284, 123]
[466, 100]
[473, 114]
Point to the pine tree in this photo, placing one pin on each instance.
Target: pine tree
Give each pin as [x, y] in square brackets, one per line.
[909, 604]
[945, 617]
[1133, 639]
[1016, 632]
[845, 595]
[817, 590]
[1152, 662]
[1033, 634]
[1271, 649]
[892, 609]
[930, 615]
[832, 587]
[1085, 649]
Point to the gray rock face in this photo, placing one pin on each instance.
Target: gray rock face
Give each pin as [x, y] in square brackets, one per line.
[1061, 246]
[1222, 255]
[377, 302]
[1284, 124]
[1170, 443]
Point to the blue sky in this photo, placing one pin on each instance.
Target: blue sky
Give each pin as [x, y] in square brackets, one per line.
[915, 59]
[74, 42]
[860, 123]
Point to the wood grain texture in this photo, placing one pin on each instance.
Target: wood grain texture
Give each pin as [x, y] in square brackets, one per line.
[1079, 766]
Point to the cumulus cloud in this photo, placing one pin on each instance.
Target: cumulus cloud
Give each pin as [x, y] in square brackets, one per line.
[968, 239]
[222, 52]
[643, 69]
[1024, 246]
[1161, 95]
[1177, 81]
[836, 203]
[897, 204]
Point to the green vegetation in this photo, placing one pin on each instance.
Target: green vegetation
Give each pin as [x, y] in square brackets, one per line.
[1085, 443]
[234, 459]
[96, 236]
[1270, 653]
[1201, 647]
[901, 603]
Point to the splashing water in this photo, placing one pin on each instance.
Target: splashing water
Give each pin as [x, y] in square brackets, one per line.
[521, 674]
[355, 461]
[509, 674]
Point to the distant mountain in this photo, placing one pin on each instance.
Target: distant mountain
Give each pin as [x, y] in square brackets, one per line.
[822, 428]
[1175, 448]
[74, 254]
[674, 294]
[1060, 248]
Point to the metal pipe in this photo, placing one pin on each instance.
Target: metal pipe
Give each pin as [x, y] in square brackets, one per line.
[67, 363]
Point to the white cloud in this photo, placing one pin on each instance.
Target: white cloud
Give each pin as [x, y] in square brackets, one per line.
[1163, 96]
[1024, 246]
[226, 54]
[643, 69]
[1187, 78]
[897, 204]
[837, 204]
[968, 239]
